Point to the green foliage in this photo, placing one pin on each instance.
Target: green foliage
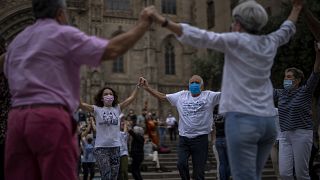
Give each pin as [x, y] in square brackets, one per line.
[210, 69]
[299, 52]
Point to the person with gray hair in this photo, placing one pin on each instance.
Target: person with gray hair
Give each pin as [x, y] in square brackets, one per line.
[195, 108]
[136, 152]
[247, 92]
[295, 114]
[41, 138]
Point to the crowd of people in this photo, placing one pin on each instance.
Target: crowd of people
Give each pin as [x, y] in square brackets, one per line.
[42, 140]
[135, 143]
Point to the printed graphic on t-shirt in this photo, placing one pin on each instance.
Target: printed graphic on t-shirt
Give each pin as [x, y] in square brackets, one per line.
[109, 118]
[193, 108]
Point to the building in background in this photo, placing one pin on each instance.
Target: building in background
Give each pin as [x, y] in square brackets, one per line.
[158, 56]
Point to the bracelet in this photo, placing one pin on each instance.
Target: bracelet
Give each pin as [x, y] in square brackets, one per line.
[165, 23]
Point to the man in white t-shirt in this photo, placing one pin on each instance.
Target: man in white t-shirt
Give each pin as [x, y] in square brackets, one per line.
[171, 125]
[195, 108]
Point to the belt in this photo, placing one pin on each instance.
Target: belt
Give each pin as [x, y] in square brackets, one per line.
[35, 106]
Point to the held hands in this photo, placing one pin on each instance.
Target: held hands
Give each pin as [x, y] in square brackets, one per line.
[150, 14]
[143, 82]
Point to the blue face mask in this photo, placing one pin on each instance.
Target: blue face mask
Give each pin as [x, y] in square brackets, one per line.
[288, 84]
[194, 88]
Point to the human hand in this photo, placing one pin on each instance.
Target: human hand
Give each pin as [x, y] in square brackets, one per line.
[297, 3]
[158, 18]
[143, 82]
[146, 14]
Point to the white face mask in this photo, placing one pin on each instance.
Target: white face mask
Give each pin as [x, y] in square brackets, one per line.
[288, 84]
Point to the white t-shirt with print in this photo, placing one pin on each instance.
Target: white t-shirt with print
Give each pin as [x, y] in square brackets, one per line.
[170, 121]
[107, 126]
[195, 113]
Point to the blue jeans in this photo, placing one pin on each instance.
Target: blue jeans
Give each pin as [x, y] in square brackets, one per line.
[197, 148]
[249, 140]
[162, 133]
[224, 168]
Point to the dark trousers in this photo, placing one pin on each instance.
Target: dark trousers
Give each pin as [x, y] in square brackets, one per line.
[197, 148]
[224, 168]
[88, 167]
[135, 167]
[173, 133]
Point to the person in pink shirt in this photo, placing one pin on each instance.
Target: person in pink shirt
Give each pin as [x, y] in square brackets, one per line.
[42, 65]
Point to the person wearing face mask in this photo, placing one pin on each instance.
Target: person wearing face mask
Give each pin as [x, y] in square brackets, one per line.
[107, 111]
[195, 108]
[295, 118]
[247, 92]
[42, 65]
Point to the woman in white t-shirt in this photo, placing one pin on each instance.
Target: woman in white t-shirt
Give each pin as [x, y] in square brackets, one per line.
[107, 144]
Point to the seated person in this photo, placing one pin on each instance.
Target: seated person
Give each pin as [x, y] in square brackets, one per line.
[150, 153]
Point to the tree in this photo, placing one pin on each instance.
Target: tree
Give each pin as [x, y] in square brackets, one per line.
[210, 69]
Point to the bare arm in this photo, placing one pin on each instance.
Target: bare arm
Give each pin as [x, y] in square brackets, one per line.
[172, 26]
[86, 107]
[296, 9]
[130, 99]
[121, 43]
[86, 132]
[93, 125]
[2, 62]
[153, 92]
[312, 22]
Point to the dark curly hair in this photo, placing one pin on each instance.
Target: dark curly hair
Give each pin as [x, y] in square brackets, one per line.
[99, 96]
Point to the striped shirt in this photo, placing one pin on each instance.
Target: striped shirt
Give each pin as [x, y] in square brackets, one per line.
[295, 106]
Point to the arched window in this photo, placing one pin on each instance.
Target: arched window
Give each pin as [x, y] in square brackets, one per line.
[169, 6]
[170, 59]
[117, 66]
[118, 5]
[210, 14]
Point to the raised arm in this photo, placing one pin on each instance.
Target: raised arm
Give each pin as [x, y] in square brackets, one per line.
[312, 22]
[295, 11]
[2, 62]
[153, 92]
[86, 107]
[121, 43]
[164, 22]
[130, 99]
[86, 132]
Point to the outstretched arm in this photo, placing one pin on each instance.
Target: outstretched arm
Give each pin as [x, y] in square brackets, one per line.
[296, 9]
[130, 99]
[312, 22]
[153, 92]
[121, 43]
[164, 22]
[86, 107]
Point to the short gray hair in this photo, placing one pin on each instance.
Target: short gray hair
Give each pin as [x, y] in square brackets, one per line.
[138, 130]
[201, 80]
[251, 15]
[47, 8]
